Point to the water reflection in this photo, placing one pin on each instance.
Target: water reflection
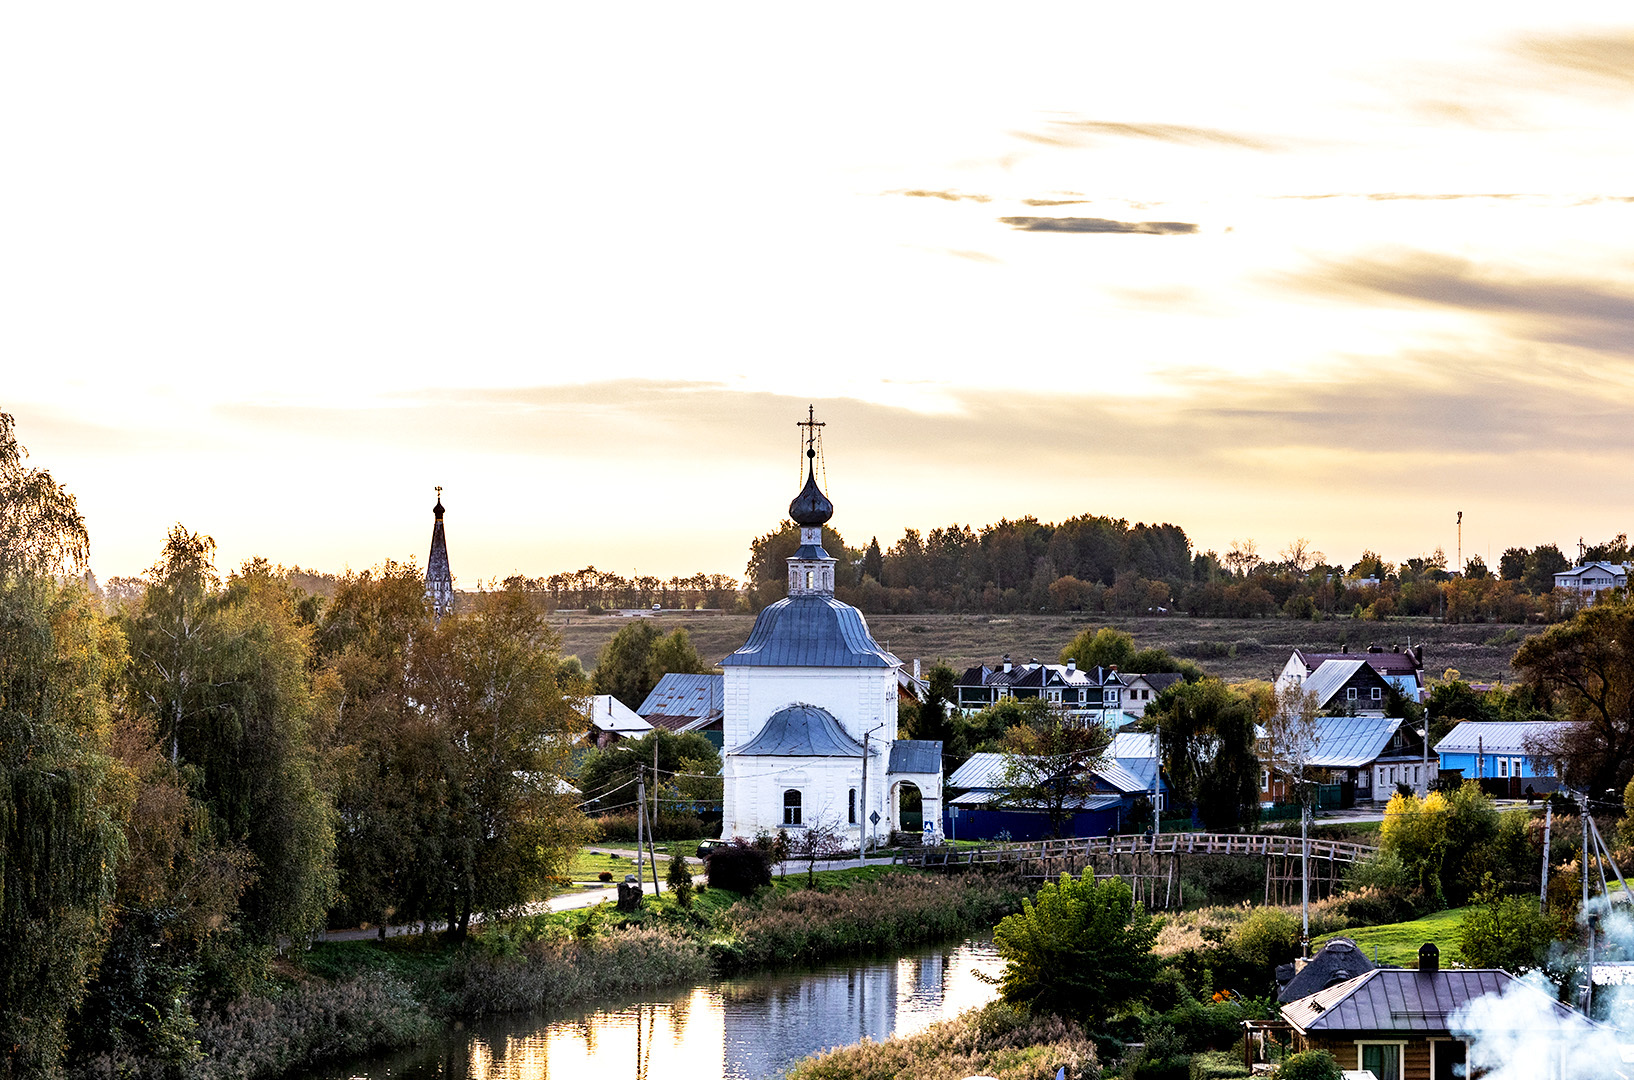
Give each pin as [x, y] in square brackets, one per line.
[743, 1029]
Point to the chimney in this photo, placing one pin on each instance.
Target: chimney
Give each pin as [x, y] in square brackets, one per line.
[1006, 661]
[1429, 959]
[916, 669]
[1418, 654]
[1072, 664]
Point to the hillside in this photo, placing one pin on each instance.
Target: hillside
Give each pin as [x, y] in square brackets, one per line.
[1233, 649]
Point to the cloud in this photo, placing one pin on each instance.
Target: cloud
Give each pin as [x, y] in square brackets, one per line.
[1098, 225]
[1053, 202]
[1078, 132]
[1563, 310]
[1395, 196]
[974, 256]
[947, 196]
[1606, 60]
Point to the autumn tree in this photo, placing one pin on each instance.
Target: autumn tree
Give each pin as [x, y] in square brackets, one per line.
[1587, 664]
[220, 669]
[1048, 763]
[487, 680]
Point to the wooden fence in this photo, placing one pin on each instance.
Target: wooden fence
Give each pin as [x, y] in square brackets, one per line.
[1151, 867]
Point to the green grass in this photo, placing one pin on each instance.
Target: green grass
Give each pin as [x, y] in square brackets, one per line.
[1398, 943]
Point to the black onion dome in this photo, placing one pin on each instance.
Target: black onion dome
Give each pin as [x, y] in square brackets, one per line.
[811, 507]
[438, 509]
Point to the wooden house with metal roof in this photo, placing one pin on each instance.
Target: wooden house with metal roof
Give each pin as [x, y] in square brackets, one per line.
[1407, 1023]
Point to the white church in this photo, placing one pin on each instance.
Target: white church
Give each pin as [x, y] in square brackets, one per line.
[810, 709]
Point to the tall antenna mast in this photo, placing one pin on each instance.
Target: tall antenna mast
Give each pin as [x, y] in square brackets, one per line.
[1460, 566]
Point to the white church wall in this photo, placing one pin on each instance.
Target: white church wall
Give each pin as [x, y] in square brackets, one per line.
[859, 698]
[755, 786]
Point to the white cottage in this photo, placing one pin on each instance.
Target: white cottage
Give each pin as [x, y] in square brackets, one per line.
[809, 730]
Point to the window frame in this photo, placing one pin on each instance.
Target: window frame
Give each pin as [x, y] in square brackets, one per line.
[793, 812]
[1401, 1054]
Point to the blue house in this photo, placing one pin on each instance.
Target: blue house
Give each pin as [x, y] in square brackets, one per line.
[979, 812]
[1498, 751]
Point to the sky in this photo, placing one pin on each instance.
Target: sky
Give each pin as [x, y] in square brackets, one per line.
[1261, 271]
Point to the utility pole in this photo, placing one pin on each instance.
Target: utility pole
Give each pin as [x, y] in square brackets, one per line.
[640, 817]
[1548, 822]
[1588, 920]
[1157, 769]
[653, 820]
[1304, 869]
[1424, 777]
[862, 823]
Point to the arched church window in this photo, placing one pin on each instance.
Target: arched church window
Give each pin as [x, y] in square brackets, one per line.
[808, 579]
[853, 814]
[791, 806]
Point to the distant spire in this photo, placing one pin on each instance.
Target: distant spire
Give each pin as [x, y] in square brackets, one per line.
[439, 580]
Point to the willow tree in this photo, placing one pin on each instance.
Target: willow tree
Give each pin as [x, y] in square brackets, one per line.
[60, 835]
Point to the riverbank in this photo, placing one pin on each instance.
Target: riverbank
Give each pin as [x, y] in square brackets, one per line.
[999, 1041]
[343, 999]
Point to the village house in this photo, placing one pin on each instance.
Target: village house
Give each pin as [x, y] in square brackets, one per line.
[1087, 696]
[1401, 668]
[1591, 579]
[1397, 1022]
[1513, 752]
[687, 703]
[979, 810]
[610, 720]
[1139, 691]
[1355, 758]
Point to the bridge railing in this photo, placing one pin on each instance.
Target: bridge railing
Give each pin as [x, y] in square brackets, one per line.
[1262, 845]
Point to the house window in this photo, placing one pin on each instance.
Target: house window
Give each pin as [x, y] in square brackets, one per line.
[853, 813]
[1383, 1060]
[1110, 697]
[1350, 693]
[791, 806]
[1265, 779]
[1516, 767]
[1378, 693]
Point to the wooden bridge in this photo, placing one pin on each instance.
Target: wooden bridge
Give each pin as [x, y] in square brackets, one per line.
[1151, 867]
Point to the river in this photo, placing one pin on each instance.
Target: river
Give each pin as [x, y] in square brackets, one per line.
[737, 1029]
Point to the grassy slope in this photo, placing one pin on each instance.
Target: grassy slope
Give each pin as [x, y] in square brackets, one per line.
[1262, 645]
[1398, 943]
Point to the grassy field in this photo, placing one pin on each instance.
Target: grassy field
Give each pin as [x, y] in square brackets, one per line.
[1233, 649]
[1397, 943]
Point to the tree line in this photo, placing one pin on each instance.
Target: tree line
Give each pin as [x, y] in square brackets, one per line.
[213, 768]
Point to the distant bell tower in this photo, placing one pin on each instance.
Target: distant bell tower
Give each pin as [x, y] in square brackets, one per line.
[811, 569]
[439, 580]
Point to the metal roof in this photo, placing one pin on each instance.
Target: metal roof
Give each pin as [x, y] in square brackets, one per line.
[811, 630]
[1125, 780]
[915, 756]
[1402, 999]
[984, 797]
[1483, 737]
[1133, 744]
[690, 696]
[984, 770]
[1346, 742]
[1330, 677]
[801, 731]
[607, 713]
[1385, 663]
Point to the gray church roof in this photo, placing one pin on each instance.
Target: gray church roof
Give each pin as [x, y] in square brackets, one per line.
[915, 756]
[801, 731]
[811, 630]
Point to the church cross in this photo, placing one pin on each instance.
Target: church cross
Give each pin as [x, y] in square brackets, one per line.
[811, 424]
[439, 493]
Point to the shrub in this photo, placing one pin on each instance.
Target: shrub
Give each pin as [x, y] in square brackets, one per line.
[1310, 1065]
[1218, 1065]
[669, 826]
[740, 867]
[548, 973]
[1269, 936]
[680, 880]
[266, 1037]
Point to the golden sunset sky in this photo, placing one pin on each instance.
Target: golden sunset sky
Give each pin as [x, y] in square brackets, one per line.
[1262, 271]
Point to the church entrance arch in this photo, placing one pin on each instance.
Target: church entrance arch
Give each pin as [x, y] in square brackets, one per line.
[907, 807]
